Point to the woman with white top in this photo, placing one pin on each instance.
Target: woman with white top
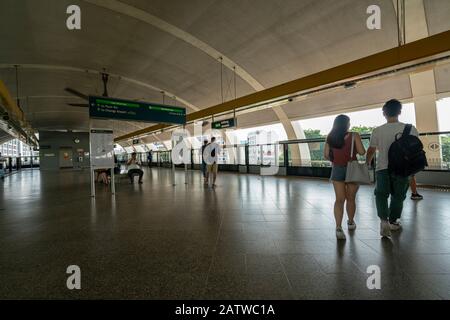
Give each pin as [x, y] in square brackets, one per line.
[133, 168]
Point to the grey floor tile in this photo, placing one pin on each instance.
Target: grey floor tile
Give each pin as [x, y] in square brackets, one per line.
[225, 286]
[263, 263]
[331, 263]
[299, 263]
[241, 241]
[228, 263]
[269, 286]
[439, 284]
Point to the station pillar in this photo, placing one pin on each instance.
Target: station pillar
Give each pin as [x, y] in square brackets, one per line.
[299, 154]
[424, 97]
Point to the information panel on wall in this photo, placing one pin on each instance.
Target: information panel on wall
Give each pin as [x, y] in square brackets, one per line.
[227, 123]
[118, 109]
[102, 148]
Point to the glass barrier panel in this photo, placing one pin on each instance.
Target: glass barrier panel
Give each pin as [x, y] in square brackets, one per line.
[241, 155]
[165, 157]
[301, 154]
[445, 147]
[196, 156]
[366, 143]
[316, 158]
[307, 155]
[122, 157]
[227, 155]
[311, 154]
[280, 155]
[223, 155]
[254, 155]
[233, 155]
[437, 148]
[269, 154]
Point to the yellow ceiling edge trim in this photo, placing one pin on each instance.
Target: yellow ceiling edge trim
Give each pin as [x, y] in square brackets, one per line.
[419, 49]
[8, 102]
[16, 114]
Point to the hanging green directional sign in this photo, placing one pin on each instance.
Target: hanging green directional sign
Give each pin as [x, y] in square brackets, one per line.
[118, 109]
[227, 123]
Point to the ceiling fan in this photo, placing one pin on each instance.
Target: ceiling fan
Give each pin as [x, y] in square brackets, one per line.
[105, 78]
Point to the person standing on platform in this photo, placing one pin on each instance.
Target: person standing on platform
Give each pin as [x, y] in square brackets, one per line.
[337, 149]
[116, 165]
[2, 169]
[149, 158]
[388, 184]
[414, 193]
[133, 168]
[212, 151]
[204, 171]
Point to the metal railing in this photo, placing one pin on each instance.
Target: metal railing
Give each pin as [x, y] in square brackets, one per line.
[298, 156]
[10, 165]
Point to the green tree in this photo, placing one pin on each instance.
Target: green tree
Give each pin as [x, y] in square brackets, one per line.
[445, 145]
[362, 129]
[312, 133]
[315, 151]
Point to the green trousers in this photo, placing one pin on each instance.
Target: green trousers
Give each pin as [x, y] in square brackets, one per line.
[389, 185]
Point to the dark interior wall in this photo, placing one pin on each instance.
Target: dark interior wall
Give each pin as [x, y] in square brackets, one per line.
[50, 143]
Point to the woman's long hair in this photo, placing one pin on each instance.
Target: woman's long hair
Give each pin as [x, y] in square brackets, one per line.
[335, 138]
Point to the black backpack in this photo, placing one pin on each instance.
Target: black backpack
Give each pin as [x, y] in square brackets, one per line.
[406, 155]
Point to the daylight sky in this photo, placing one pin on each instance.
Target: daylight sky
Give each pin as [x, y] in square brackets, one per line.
[369, 118]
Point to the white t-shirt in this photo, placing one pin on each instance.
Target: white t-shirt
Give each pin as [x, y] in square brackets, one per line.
[212, 148]
[382, 138]
[133, 165]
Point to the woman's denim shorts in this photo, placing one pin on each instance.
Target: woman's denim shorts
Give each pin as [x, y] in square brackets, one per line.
[338, 173]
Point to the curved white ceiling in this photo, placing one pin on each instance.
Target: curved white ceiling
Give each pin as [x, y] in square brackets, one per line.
[119, 77]
[174, 46]
[125, 9]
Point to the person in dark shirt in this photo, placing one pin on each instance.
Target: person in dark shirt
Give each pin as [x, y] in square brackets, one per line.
[149, 158]
[212, 151]
[204, 171]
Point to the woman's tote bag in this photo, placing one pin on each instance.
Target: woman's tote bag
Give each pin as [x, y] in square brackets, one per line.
[356, 172]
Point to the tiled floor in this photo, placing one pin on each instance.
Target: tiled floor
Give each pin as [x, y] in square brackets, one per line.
[252, 237]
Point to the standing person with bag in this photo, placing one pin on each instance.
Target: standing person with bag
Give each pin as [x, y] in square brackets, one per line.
[341, 148]
[395, 163]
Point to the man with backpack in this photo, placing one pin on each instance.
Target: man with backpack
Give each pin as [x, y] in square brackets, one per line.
[400, 155]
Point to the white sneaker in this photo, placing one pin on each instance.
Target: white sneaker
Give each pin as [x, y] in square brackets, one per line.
[395, 226]
[340, 235]
[351, 225]
[385, 230]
